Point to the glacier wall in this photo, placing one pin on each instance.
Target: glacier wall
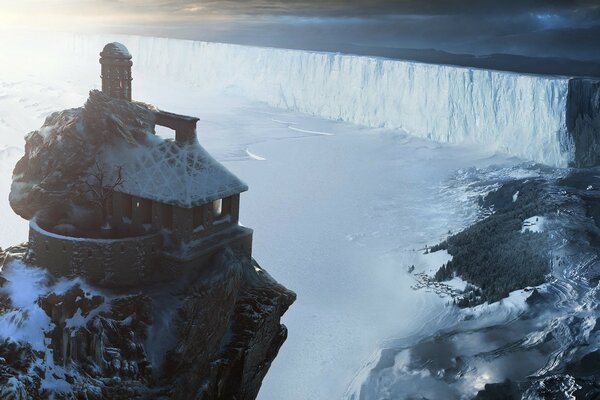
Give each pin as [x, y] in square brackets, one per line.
[583, 120]
[520, 114]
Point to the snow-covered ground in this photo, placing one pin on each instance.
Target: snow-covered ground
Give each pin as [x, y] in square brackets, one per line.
[534, 224]
[29, 323]
[339, 210]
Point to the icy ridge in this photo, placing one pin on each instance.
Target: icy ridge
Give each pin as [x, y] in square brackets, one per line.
[522, 115]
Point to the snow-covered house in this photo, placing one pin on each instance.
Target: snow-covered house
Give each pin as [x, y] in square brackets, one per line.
[179, 189]
[176, 204]
[176, 186]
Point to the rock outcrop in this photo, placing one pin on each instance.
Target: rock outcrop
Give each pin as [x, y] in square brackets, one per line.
[209, 334]
[59, 155]
[210, 337]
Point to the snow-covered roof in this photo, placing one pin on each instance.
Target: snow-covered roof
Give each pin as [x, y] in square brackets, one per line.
[180, 174]
[115, 50]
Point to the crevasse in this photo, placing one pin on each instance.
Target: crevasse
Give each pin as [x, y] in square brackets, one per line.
[520, 114]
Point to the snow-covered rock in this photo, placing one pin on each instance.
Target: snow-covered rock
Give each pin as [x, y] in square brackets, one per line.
[112, 134]
[213, 336]
[59, 155]
[534, 224]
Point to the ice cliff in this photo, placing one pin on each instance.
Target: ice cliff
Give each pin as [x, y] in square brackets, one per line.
[549, 119]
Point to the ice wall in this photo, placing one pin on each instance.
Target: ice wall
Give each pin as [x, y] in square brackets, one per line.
[523, 115]
[583, 120]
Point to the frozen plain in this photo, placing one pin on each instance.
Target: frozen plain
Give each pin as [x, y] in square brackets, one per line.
[338, 209]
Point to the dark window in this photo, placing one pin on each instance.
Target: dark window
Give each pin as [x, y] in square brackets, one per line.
[226, 206]
[144, 210]
[222, 208]
[198, 216]
[167, 214]
[127, 206]
[109, 205]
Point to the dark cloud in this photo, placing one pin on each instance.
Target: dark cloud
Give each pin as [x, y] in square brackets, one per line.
[373, 7]
[191, 9]
[532, 28]
[563, 29]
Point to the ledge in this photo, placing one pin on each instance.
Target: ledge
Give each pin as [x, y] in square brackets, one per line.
[197, 248]
[33, 225]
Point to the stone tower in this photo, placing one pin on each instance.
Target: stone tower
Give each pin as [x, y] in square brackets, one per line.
[116, 71]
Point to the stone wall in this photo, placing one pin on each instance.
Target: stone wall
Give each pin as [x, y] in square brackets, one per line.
[109, 262]
[131, 261]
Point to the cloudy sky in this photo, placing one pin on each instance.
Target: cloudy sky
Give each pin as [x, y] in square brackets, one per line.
[551, 28]
[176, 10]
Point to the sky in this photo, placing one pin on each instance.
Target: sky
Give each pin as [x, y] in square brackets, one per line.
[173, 10]
[177, 10]
[554, 28]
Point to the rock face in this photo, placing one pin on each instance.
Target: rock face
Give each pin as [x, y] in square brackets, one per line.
[583, 120]
[210, 337]
[58, 155]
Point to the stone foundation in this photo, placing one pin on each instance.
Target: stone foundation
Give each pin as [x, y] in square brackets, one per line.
[128, 262]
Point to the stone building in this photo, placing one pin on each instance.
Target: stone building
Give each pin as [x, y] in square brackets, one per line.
[116, 71]
[180, 205]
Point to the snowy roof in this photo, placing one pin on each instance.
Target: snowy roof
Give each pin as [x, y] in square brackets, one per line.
[115, 50]
[175, 173]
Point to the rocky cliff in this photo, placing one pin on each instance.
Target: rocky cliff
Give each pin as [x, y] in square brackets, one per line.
[210, 335]
[60, 154]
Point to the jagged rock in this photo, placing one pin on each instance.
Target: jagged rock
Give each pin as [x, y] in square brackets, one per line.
[559, 387]
[506, 390]
[44, 178]
[222, 333]
[12, 389]
[535, 298]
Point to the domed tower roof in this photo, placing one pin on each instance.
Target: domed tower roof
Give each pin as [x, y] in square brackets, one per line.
[115, 50]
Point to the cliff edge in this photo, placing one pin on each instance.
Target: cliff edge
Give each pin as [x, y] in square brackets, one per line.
[210, 332]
